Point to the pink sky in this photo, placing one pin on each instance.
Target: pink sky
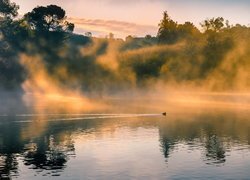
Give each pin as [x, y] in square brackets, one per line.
[141, 17]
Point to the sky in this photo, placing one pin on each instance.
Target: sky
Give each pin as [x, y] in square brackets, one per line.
[140, 17]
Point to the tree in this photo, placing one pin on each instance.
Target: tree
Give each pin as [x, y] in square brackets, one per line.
[88, 34]
[49, 18]
[111, 36]
[187, 29]
[8, 9]
[148, 36]
[214, 24]
[167, 32]
[11, 71]
[129, 38]
[69, 27]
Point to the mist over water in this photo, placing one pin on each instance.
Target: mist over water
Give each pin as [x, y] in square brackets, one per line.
[207, 139]
[75, 107]
[66, 131]
[59, 131]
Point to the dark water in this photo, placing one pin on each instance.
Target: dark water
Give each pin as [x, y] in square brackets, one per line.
[201, 145]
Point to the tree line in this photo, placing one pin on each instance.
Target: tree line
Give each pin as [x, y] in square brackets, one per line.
[180, 52]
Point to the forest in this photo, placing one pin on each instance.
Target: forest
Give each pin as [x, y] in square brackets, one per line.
[40, 50]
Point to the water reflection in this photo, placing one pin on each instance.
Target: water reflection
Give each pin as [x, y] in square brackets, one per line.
[8, 165]
[215, 150]
[49, 151]
[215, 134]
[212, 134]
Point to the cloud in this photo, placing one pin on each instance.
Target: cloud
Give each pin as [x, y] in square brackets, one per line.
[119, 28]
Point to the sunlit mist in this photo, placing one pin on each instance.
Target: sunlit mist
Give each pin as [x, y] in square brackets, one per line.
[114, 89]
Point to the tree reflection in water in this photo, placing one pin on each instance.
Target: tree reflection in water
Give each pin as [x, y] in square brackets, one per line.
[50, 151]
[215, 133]
[215, 150]
[167, 146]
[10, 147]
[45, 154]
[8, 165]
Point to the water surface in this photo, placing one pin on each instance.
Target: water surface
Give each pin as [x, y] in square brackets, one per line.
[188, 143]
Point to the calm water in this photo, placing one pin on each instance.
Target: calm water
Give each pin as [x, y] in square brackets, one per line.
[207, 144]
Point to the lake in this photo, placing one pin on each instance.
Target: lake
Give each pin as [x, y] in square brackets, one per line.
[140, 143]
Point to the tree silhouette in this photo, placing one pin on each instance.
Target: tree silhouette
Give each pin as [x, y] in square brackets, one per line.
[167, 32]
[8, 9]
[214, 24]
[11, 72]
[49, 18]
[88, 34]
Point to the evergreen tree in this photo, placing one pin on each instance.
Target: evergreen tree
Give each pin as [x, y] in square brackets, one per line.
[167, 32]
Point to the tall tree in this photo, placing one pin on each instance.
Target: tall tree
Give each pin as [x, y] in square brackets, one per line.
[167, 32]
[11, 72]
